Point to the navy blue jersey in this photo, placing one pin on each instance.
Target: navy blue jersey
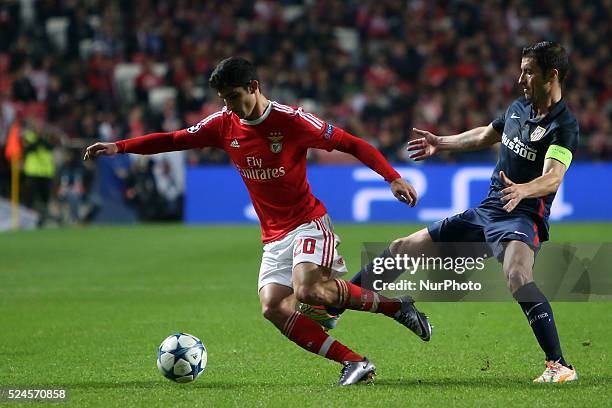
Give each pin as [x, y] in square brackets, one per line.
[525, 143]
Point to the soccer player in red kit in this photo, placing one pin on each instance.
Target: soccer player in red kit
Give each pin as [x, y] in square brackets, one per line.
[267, 142]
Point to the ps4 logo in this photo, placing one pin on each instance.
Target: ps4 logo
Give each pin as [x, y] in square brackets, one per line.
[369, 193]
[460, 184]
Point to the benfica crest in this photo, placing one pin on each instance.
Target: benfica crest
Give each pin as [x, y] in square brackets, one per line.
[537, 134]
[276, 144]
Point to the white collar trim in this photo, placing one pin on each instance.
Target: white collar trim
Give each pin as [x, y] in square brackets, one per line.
[259, 119]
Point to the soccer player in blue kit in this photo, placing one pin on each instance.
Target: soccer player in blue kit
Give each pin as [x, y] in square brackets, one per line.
[538, 135]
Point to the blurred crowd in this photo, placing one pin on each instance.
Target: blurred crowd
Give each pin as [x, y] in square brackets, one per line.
[76, 71]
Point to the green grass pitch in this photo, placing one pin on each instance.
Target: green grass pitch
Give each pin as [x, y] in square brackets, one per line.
[85, 309]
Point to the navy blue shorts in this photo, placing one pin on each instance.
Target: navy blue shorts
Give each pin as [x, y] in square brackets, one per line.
[490, 225]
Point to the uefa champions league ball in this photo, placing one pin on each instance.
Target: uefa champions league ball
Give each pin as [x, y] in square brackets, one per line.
[182, 357]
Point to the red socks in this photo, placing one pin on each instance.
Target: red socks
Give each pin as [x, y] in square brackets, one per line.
[310, 336]
[354, 297]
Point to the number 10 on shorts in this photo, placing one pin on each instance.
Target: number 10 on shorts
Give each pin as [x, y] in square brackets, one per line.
[306, 246]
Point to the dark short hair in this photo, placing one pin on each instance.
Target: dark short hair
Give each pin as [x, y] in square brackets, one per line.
[232, 72]
[549, 55]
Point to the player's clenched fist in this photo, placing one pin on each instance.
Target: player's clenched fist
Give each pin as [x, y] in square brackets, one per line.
[100, 149]
[404, 192]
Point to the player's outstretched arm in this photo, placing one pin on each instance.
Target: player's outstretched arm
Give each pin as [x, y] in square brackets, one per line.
[427, 144]
[147, 144]
[368, 155]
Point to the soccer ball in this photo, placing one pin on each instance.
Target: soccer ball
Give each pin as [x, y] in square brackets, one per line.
[182, 357]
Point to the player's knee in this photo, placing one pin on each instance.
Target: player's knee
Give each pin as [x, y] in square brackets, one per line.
[308, 294]
[272, 311]
[303, 293]
[401, 245]
[396, 245]
[517, 276]
[404, 245]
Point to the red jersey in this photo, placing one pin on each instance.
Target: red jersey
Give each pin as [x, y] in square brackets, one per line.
[270, 155]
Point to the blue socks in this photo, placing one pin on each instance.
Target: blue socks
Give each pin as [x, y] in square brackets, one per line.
[533, 302]
[540, 317]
